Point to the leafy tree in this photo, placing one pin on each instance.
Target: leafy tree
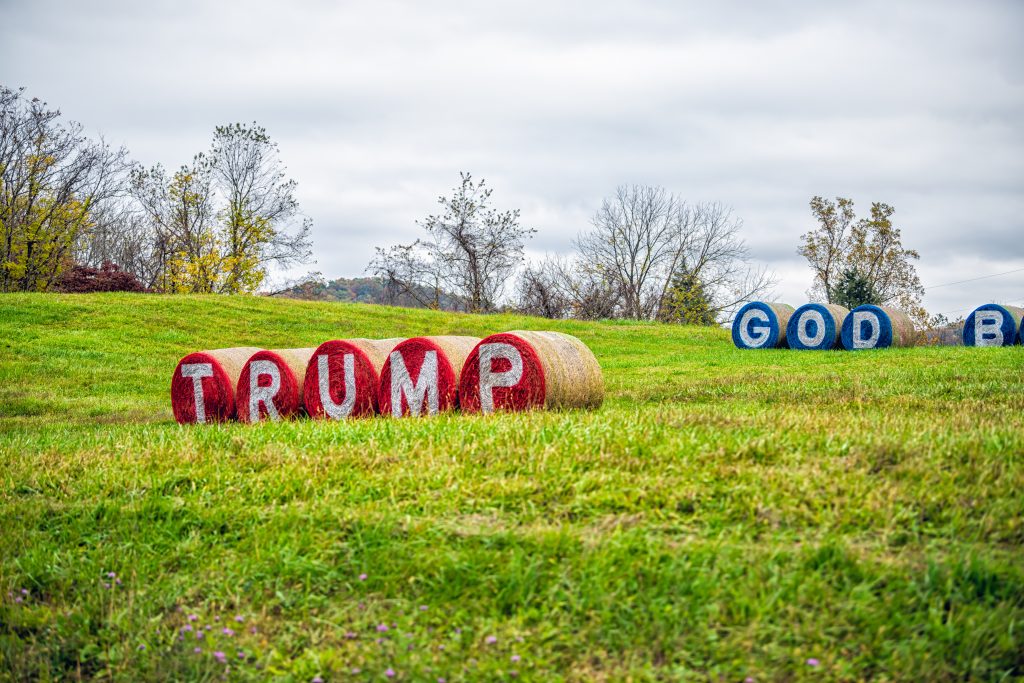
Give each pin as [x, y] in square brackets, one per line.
[470, 252]
[52, 181]
[870, 247]
[854, 289]
[687, 301]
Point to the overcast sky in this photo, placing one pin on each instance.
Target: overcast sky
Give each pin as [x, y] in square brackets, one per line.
[377, 106]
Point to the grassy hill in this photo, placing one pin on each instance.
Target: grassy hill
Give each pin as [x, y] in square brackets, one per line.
[773, 515]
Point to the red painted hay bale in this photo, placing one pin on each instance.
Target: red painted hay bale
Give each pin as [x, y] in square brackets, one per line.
[203, 384]
[343, 377]
[421, 375]
[521, 370]
[270, 386]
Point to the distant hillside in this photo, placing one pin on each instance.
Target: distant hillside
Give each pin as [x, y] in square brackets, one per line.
[362, 290]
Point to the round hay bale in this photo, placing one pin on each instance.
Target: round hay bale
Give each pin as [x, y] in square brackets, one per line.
[203, 384]
[993, 325]
[421, 375]
[520, 370]
[270, 386]
[877, 327]
[343, 377]
[760, 325]
[816, 327]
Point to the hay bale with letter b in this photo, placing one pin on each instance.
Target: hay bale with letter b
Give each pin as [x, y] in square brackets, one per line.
[994, 325]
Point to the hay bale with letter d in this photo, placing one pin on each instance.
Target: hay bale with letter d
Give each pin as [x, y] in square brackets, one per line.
[877, 327]
[521, 370]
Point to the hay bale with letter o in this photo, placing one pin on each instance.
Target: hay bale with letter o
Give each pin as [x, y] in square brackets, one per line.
[270, 386]
[994, 325]
[343, 377]
[816, 327]
[203, 384]
[421, 375]
[877, 327]
[760, 325]
[520, 370]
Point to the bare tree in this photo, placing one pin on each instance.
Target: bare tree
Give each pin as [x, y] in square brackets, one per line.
[52, 179]
[644, 237]
[470, 253]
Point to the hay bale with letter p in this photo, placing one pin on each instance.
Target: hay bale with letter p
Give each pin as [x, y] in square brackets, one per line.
[994, 325]
[343, 377]
[877, 327]
[421, 375]
[816, 327]
[270, 386]
[203, 384]
[760, 325]
[521, 370]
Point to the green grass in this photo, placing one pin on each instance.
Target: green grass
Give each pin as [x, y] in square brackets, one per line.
[725, 515]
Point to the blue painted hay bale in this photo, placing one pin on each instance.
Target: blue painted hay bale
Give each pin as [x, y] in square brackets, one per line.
[993, 325]
[816, 327]
[877, 327]
[760, 325]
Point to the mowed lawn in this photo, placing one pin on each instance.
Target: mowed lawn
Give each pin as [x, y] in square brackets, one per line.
[771, 515]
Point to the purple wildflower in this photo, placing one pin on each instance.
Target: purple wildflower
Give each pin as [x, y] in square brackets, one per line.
[219, 656]
[515, 658]
[317, 679]
[106, 585]
[200, 635]
[241, 655]
[24, 591]
[491, 640]
[18, 599]
[252, 629]
[239, 618]
[356, 670]
[813, 662]
[440, 647]
[111, 575]
[380, 641]
[186, 627]
[423, 608]
[351, 635]
[192, 617]
[142, 647]
[749, 679]
[390, 673]
[381, 628]
[226, 631]
[442, 679]
[362, 577]
[197, 650]
[513, 673]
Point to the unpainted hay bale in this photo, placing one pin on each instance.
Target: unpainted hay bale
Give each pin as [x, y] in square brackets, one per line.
[994, 325]
[270, 386]
[877, 327]
[816, 327]
[421, 375]
[343, 377]
[520, 370]
[203, 384]
[760, 325]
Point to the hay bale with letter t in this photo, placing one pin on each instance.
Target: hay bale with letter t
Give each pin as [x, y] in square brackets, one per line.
[521, 370]
[203, 384]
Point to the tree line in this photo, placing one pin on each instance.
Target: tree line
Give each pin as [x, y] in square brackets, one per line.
[72, 207]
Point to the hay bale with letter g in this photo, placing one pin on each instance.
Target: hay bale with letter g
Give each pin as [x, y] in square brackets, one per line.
[760, 325]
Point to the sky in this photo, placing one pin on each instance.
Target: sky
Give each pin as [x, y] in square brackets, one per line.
[377, 107]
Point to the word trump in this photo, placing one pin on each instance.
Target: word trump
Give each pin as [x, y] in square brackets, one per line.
[423, 376]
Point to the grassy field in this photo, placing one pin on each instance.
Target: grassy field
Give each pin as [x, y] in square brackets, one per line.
[725, 516]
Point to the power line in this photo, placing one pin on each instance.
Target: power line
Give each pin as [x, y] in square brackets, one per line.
[983, 277]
